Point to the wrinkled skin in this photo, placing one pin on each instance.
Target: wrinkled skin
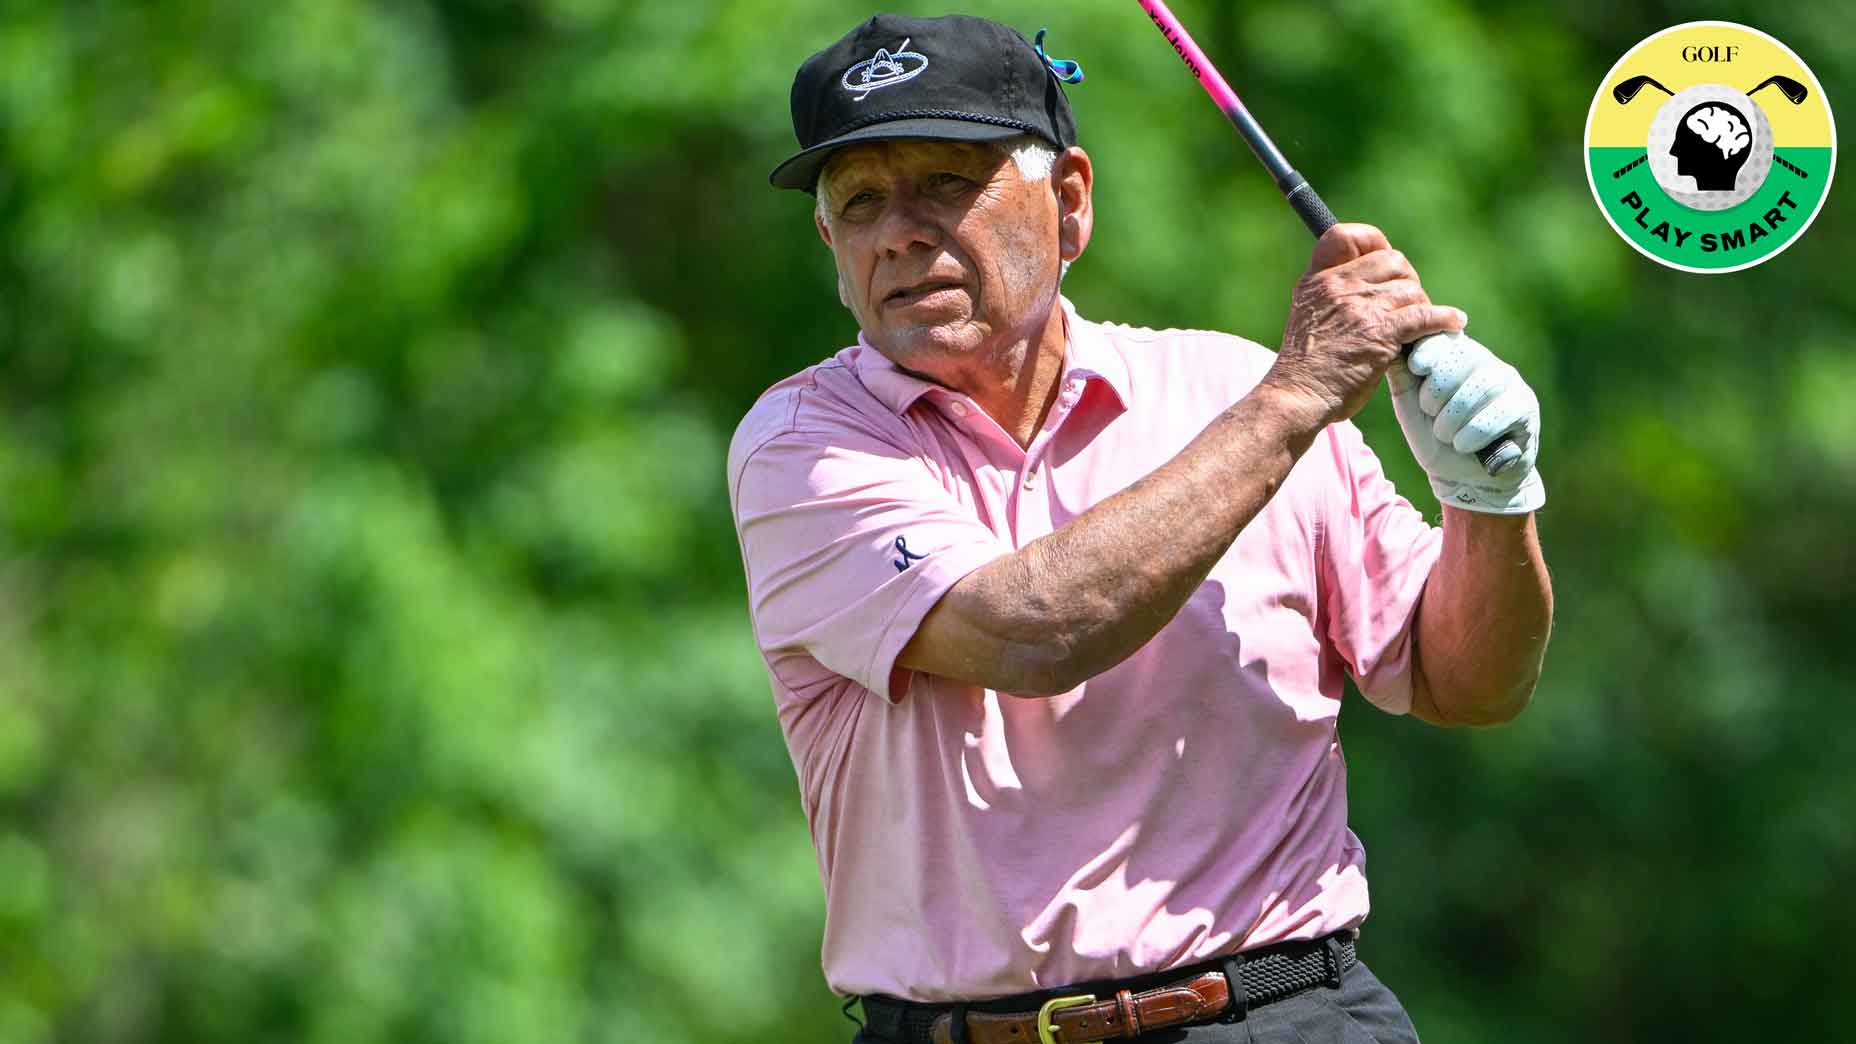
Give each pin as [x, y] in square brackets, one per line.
[950, 259]
[1358, 303]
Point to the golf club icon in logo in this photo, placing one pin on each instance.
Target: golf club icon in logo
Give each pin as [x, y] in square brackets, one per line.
[1709, 140]
[884, 69]
[1692, 183]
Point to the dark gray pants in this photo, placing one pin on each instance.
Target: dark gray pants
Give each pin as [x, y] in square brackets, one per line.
[1361, 1011]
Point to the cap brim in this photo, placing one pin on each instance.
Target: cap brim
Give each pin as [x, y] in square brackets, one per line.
[800, 171]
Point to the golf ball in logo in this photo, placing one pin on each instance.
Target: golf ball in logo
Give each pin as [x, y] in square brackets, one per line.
[1710, 147]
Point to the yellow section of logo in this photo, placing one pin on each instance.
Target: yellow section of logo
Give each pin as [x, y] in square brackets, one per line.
[1709, 53]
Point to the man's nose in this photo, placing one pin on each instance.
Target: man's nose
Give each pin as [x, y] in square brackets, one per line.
[906, 223]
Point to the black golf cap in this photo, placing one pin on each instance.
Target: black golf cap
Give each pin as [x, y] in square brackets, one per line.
[955, 78]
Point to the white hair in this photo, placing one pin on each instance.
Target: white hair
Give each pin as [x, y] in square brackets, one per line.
[1034, 157]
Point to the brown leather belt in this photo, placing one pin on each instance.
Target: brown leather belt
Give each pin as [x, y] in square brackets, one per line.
[1109, 1011]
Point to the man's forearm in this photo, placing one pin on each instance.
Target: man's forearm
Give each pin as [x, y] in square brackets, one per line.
[1076, 602]
[1483, 621]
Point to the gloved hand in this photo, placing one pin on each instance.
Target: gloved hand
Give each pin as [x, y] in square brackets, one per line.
[1453, 397]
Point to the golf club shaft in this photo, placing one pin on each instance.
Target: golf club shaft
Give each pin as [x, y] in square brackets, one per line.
[1497, 456]
[1314, 213]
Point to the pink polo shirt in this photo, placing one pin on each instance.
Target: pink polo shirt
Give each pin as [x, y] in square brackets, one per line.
[1190, 802]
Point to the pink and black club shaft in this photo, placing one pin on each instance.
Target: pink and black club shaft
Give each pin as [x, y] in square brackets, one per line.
[1497, 456]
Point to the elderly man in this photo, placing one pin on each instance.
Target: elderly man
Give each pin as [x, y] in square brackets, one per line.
[1057, 613]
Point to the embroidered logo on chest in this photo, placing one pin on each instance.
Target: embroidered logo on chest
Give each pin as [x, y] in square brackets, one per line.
[908, 558]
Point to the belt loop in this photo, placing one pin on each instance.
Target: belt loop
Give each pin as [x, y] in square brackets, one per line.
[957, 1025]
[1332, 945]
[846, 1010]
[1240, 1001]
[885, 1020]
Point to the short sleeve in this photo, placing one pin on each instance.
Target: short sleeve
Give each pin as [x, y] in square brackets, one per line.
[848, 541]
[1377, 553]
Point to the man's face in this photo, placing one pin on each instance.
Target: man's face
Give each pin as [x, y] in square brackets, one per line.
[942, 247]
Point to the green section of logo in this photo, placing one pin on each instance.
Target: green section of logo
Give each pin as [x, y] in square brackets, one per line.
[1719, 239]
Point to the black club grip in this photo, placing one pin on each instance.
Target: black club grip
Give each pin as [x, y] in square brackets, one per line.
[1497, 456]
[1315, 214]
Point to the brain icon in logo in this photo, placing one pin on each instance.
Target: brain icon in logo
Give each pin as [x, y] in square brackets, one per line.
[1710, 147]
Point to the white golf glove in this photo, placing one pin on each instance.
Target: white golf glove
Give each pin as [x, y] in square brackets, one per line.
[1453, 397]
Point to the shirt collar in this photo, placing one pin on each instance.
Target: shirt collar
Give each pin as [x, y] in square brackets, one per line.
[895, 389]
[1092, 356]
[1088, 354]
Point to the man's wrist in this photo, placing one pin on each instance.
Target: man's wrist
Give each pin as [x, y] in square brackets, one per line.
[1299, 413]
[1485, 520]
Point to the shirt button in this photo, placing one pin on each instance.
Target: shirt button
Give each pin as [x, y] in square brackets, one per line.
[959, 408]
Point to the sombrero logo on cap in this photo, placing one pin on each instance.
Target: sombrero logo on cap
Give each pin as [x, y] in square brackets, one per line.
[885, 69]
[1710, 147]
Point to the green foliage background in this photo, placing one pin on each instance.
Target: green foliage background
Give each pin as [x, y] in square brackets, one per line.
[374, 663]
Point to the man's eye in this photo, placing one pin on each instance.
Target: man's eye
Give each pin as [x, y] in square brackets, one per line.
[947, 179]
[860, 199]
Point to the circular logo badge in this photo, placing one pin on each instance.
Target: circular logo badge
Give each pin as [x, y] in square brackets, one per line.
[1710, 147]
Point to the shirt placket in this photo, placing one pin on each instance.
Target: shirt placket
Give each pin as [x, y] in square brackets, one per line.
[1031, 495]
[993, 457]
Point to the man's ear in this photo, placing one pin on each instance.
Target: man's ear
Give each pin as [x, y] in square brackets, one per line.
[824, 233]
[1073, 179]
